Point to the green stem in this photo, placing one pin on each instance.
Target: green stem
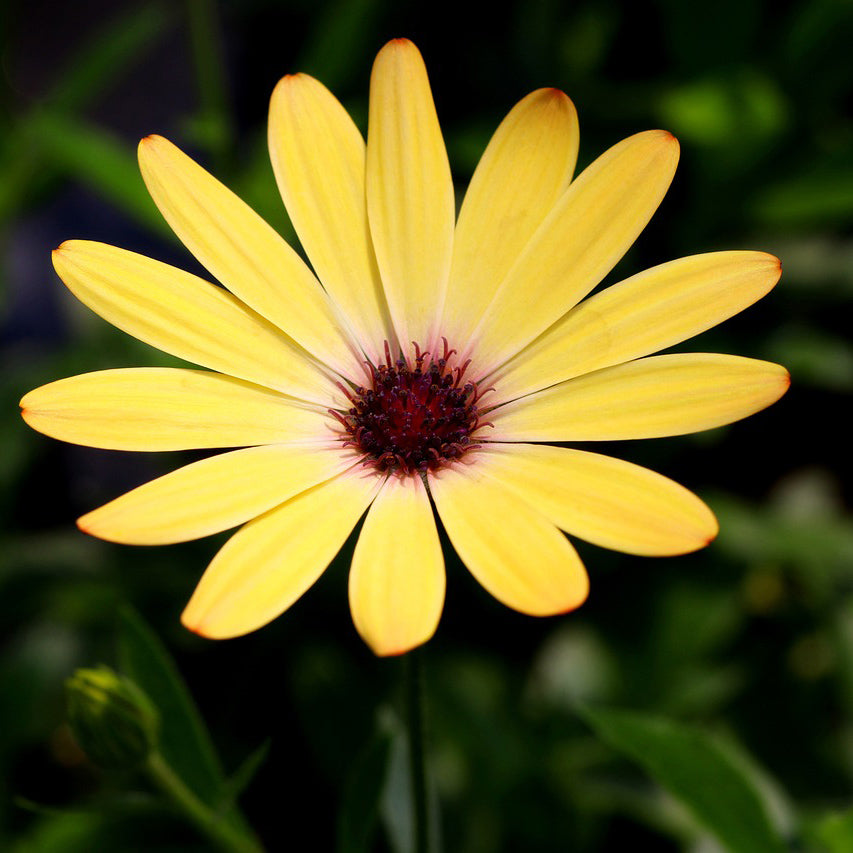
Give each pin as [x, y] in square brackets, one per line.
[414, 687]
[223, 834]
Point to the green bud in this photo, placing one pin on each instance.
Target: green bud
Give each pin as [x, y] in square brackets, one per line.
[112, 720]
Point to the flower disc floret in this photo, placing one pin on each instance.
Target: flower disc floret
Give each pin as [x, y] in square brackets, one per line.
[416, 415]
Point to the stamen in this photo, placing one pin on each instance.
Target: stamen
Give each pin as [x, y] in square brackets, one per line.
[417, 416]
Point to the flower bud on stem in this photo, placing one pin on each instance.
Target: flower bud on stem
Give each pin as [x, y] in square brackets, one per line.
[118, 727]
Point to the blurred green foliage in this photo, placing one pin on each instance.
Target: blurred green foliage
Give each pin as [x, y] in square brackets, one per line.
[741, 655]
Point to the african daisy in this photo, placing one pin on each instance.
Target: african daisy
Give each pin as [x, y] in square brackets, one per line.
[424, 362]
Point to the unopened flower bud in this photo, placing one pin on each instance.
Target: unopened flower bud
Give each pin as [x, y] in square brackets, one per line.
[112, 720]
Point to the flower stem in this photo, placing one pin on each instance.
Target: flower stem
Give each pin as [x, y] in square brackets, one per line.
[223, 834]
[414, 687]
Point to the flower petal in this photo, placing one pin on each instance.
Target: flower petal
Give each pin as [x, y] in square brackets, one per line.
[603, 500]
[587, 232]
[243, 252]
[396, 584]
[652, 397]
[643, 314]
[318, 157]
[527, 165]
[161, 408]
[214, 494]
[271, 561]
[186, 316]
[519, 556]
[410, 202]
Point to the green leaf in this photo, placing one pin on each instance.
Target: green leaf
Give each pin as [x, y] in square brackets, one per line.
[97, 160]
[816, 543]
[360, 807]
[92, 71]
[99, 63]
[396, 802]
[255, 184]
[814, 356]
[835, 832]
[213, 125]
[396, 807]
[184, 740]
[698, 769]
[820, 195]
[70, 832]
[243, 775]
[332, 51]
[743, 106]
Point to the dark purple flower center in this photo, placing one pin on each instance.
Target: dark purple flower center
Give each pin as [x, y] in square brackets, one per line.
[416, 415]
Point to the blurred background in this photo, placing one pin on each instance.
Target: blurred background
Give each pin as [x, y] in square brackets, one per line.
[751, 638]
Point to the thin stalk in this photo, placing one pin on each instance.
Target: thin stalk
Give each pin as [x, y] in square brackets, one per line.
[414, 689]
[221, 833]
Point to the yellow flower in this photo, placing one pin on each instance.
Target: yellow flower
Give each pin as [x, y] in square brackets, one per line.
[425, 361]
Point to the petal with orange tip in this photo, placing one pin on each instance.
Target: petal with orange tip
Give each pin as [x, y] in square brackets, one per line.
[271, 561]
[318, 156]
[603, 500]
[244, 253]
[512, 549]
[587, 231]
[163, 408]
[396, 584]
[410, 201]
[186, 316]
[649, 398]
[645, 313]
[214, 494]
[526, 166]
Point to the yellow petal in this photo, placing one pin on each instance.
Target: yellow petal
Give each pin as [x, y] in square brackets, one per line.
[272, 560]
[396, 584]
[318, 157]
[243, 252]
[214, 494]
[585, 234]
[186, 316]
[150, 408]
[519, 556]
[643, 314]
[652, 397]
[526, 166]
[410, 201]
[603, 500]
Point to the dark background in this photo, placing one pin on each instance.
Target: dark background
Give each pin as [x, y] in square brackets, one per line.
[752, 637]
